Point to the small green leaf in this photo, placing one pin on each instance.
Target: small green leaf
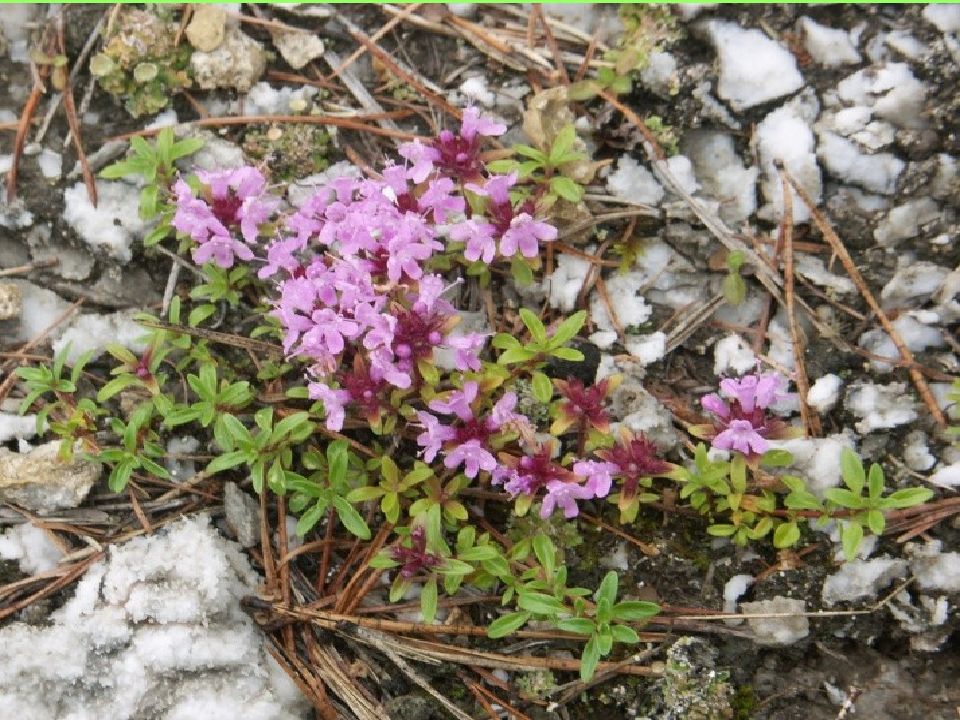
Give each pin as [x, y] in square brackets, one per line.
[521, 272]
[542, 387]
[566, 188]
[537, 331]
[581, 626]
[776, 458]
[516, 355]
[876, 522]
[506, 624]
[428, 600]
[478, 553]
[589, 659]
[351, 518]
[225, 462]
[786, 535]
[565, 353]
[908, 497]
[632, 610]
[608, 588]
[540, 603]
[844, 498]
[568, 329]
[851, 534]
[852, 470]
[624, 634]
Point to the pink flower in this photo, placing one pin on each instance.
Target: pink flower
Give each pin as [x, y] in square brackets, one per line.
[564, 495]
[473, 123]
[466, 347]
[478, 238]
[712, 403]
[598, 476]
[742, 436]
[473, 456]
[333, 403]
[757, 390]
[525, 234]
[458, 402]
[422, 158]
[440, 200]
[221, 250]
[433, 436]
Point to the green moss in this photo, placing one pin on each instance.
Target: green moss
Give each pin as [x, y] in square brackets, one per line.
[744, 702]
[141, 63]
[293, 151]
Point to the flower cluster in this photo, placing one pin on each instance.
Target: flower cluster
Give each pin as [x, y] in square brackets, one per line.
[741, 417]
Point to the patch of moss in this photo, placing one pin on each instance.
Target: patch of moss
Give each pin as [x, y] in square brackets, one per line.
[293, 151]
[141, 62]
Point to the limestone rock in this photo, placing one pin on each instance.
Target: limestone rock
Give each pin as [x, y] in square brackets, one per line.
[238, 62]
[297, 47]
[41, 482]
[207, 27]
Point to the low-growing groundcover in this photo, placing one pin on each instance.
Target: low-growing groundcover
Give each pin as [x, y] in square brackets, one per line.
[396, 360]
[385, 419]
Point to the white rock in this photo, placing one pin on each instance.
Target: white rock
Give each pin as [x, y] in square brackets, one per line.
[630, 308]
[880, 406]
[113, 225]
[913, 284]
[945, 17]
[660, 73]
[933, 568]
[891, 91]
[816, 460]
[264, 99]
[563, 284]
[157, 625]
[722, 174]
[904, 221]
[824, 393]
[95, 332]
[814, 270]
[476, 89]
[51, 164]
[785, 135]
[647, 348]
[619, 559]
[464, 10]
[300, 191]
[905, 44]
[829, 47]
[732, 355]
[41, 482]
[946, 476]
[916, 453]
[753, 68]
[916, 335]
[778, 630]
[17, 427]
[31, 547]
[634, 183]
[859, 579]
[733, 590]
[238, 62]
[41, 308]
[297, 47]
[682, 171]
[842, 158]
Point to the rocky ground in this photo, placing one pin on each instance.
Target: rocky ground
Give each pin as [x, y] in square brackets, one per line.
[857, 103]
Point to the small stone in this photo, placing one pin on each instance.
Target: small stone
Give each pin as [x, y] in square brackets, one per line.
[238, 62]
[207, 27]
[243, 515]
[11, 301]
[297, 47]
[42, 482]
[778, 630]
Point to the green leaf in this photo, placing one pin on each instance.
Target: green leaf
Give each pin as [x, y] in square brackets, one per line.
[776, 458]
[589, 659]
[844, 498]
[505, 341]
[428, 600]
[310, 518]
[568, 329]
[506, 624]
[450, 566]
[516, 355]
[584, 90]
[562, 144]
[581, 626]
[337, 462]
[566, 188]
[876, 522]
[542, 387]
[537, 331]
[363, 494]
[351, 518]
[908, 497]
[546, 553]
[786, 535]
[624, 634]
[478, 553]
[631, 610]
[608, 588]
[226, 461]
[852, 470]
[540, 603]
[565, 353]
[521, 272]
[530, 152]
[875, 482]
[721, 530]
[851, 534]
